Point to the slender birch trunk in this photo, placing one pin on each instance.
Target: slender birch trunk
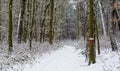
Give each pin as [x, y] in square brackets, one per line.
[102, 18]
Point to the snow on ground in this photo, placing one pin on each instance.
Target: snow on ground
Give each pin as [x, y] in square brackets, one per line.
[61, 60]
[22, 55]
[67, 55]
[68, 58]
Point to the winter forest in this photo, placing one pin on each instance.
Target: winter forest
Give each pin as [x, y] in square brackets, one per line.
[59, 35]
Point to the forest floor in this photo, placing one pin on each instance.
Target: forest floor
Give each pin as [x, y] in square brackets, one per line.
[65, 56]
[68, 58]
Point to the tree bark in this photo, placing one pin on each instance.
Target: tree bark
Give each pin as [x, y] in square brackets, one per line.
[102, 18]
[0, 21]
[10, 27]
[21, 22]
[91, 35]
[32, 24]
[51, 22]
[114, 15]
[42, 24]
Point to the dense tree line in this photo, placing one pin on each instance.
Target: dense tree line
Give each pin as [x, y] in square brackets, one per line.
[33, 20]
[98, 18]
[56, 20]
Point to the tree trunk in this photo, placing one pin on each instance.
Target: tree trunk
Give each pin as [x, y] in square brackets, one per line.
[26, 21]
[113, 31]
[21, 22]
[43, 22]
[0, 21]
[102, 18]
[78, 22]
[10, 27]
[32, 24]
[51, 22]
[30, 8]
[91, 35]
[97, 38]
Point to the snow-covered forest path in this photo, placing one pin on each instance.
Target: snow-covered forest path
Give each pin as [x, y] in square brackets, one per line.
[65, 59]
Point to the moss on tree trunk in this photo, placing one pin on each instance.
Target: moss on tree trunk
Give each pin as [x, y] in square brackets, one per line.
[91, 35]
